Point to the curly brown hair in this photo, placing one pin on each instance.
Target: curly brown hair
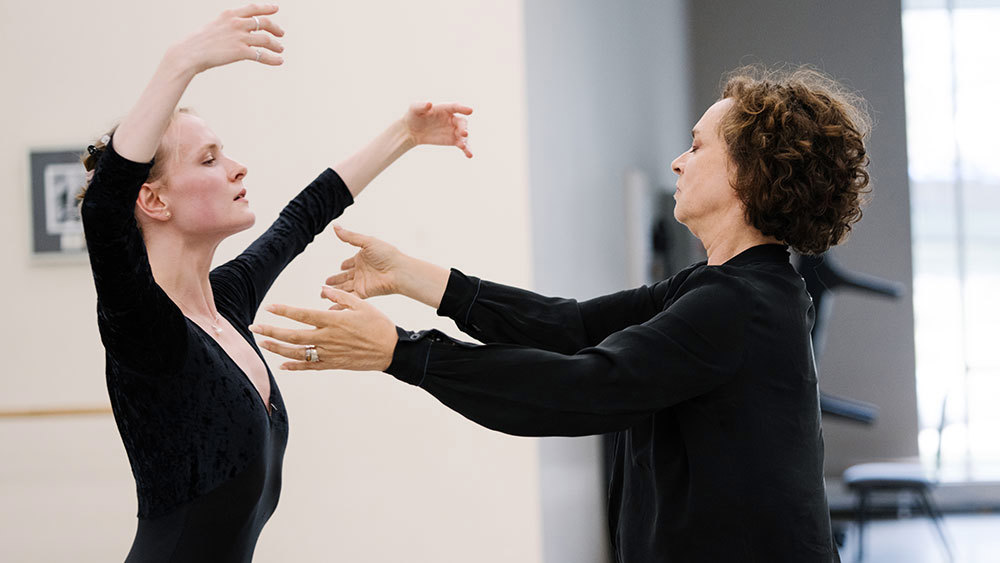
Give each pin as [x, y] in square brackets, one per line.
[797, 139]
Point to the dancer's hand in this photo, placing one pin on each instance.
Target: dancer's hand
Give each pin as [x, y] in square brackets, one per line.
[439, 124]
[353, 335]
[373, 271]
[423, 124]
[231, 37]
[379, 268]
[245, 33]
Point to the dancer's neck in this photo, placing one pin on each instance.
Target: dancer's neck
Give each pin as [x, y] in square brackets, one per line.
[180, 267]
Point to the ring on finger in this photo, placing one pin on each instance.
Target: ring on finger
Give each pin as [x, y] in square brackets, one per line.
[258, 49]
[311, 354]
[256, 20]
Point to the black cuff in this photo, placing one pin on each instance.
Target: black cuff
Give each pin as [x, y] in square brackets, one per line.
[459, 297]
[331, 176]
[409, 359]
[126, 172]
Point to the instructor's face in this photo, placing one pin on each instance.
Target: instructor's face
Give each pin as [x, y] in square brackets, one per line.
[704, 190]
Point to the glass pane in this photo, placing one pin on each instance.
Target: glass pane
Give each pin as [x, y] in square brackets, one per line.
[977, 58]
[929, 125]
[983, 307]
[950, 62]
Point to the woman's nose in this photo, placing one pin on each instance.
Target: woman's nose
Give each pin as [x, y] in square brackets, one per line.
[238, 171]
[676, 164]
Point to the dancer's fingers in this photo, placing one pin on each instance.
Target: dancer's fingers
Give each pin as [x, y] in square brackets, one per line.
[420, 108]
[261, 23]
[341, 278]
[251, 10]
[461, 125]
[266, 41]
[263, 56]
[455, 108]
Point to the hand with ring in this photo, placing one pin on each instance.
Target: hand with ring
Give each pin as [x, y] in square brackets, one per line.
[245, 33]
[311, 354]
[351, 335]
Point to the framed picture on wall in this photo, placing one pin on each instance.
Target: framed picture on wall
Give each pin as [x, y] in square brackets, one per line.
[56, 179]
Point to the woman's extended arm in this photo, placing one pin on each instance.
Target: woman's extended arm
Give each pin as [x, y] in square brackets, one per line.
[695, 345]
[491, 312]
[381, 269]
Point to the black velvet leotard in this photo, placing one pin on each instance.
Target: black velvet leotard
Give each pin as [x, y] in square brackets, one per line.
[205, 452]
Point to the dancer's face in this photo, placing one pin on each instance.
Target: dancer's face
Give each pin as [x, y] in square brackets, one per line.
[202, 187]
[704, 190]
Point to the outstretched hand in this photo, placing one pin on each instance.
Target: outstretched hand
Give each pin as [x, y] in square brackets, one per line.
[370, 272]
[245, 33]
[352, 335]
[439, 124]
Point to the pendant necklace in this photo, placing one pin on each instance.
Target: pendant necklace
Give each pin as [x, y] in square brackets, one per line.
[217, 324]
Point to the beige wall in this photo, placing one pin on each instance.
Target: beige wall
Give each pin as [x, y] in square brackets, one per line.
[375, 470]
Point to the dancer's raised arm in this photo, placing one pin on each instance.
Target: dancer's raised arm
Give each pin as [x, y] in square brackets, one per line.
[423, 124]
[138, 317]
[245, 33]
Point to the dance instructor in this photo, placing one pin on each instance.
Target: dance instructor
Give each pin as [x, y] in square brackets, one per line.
[706, 379]
[200, 414]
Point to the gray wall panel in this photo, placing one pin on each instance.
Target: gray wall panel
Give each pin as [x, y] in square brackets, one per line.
[870, 351]
[607, 90]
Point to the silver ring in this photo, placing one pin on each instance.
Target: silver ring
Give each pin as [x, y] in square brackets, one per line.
[258, 49]
[311, 354]
[256, 21]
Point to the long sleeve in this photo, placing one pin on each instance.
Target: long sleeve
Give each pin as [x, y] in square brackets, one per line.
[139, 323]
[687, 349]
[244, 281]
[501, 314]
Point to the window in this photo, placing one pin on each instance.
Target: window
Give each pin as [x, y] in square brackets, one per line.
[952, 63]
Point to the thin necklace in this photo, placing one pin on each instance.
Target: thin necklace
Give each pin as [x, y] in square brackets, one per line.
[217, 324]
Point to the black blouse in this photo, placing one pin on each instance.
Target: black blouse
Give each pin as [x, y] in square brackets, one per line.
[205, 452]
[706, 379]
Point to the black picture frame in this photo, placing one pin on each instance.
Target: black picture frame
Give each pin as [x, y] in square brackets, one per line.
[57, 176]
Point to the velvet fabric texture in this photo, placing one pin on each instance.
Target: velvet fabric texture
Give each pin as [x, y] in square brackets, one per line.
[205, 453]
[706, 382]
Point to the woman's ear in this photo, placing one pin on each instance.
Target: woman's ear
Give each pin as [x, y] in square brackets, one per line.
[151, 204]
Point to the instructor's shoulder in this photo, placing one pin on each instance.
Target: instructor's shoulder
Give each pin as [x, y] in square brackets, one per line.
[714, 294]
[717, 283]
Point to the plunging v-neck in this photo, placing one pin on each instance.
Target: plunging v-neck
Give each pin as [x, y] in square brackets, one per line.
[270, 379]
